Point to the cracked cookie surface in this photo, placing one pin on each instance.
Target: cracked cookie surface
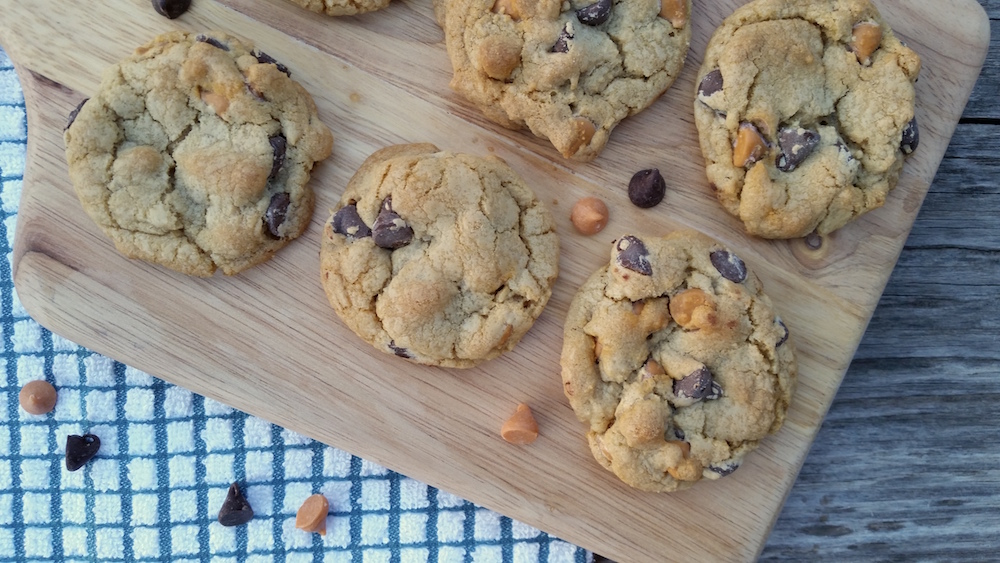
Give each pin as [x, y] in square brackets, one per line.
[676, 361]
[568, 71]
[805, 111]
[441, 258]
[342, 7]
[195, 154]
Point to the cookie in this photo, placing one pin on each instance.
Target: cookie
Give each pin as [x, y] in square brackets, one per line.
[342, 7]
[676, 361]
[568, 71]
[805, 111]
[195, 154]
[440, 258]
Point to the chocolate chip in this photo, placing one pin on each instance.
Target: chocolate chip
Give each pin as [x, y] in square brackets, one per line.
[646, 188]
[710, 83]
[399, 351]
[784, 332]
[724, 468]
[695, 385]
[264, 58]
[729, 265]
[911, 137]
[389, 229]
[171, 8]
[562, 42]
[74, 113]
[813, 240]
[796, 144]
[715, 392]
[278, 147]
[347, 222]
[80, 449]
[596, 13]
[235, 509]
[632, 254]
[211, 41]
[276, 212]
[679, 434]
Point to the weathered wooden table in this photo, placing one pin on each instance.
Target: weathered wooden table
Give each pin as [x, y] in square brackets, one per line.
[907, 464]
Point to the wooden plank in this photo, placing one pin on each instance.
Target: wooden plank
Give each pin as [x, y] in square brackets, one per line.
[440, 426]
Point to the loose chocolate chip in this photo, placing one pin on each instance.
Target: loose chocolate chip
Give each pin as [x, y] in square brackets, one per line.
[695, 385]
[729, 265]
[725, 468]
[633, 255]
[235, 509]
[796, 144]
[171, 8]
[74, 113]
[401, 352]
[813, 240]
[276, 212]
[562, 42]
[278, 147]
[211, 41]
[596, 13]
[710, 83]
[347, 222]
[911, 137]
[389, 229]
[80, 449]
[784, 332]
[266, 59]
[646, 188]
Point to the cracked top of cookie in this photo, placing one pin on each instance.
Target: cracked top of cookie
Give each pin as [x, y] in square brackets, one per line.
[676, 361]
[342, 7]
[441, 258]
[569, 71]
[805, 111]
[195, 154]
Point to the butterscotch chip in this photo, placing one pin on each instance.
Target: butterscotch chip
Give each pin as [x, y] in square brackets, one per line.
[311, 516]
[521, 428]
[38, 397]
[589, 215]
[803, 111]
[666, 401]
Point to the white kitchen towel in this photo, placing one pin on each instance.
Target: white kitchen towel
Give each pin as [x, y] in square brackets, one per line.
[168, 456]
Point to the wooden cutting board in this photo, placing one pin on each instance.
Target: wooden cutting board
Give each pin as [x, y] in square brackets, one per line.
[267, 342]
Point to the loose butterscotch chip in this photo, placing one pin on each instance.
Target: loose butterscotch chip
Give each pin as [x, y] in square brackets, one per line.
[38, 397]
[521, 428]
[589, 215]
[311, 516]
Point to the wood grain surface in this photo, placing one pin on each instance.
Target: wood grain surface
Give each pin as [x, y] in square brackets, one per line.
[267, 343]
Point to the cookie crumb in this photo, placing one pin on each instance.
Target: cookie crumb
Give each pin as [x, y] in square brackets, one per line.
[521, 428]
[311, 516]
[38, 397]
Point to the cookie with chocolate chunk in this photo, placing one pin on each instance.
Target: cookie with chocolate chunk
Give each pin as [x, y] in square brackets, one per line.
[676, 361]
[342, 7]
[805, 112]
[568, 71]
[195, 154]
[437, 257]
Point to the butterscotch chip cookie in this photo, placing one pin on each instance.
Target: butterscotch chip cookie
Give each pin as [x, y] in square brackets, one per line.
[195, 154]
[342, 7]
[568, 71]
[441, 258]
[676, 361]
[804, 110]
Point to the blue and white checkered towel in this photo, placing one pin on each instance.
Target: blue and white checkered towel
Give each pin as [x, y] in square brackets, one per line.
[168, 456]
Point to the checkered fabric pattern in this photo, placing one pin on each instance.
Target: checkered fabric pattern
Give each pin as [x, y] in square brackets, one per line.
[167, 458]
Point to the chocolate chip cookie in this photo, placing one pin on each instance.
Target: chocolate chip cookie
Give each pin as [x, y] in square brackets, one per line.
[342, 7]
[440, 258]
[195, 154]
[568, 71]
[676, 361]
[805, 112]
